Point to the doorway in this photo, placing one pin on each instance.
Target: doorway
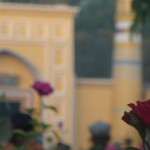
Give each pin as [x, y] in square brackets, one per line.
[7, 110]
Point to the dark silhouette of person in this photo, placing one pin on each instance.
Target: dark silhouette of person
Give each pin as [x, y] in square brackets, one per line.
[62, 146]
[100, 135]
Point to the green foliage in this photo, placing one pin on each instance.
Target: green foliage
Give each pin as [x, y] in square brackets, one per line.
[51, 108]
[141, 9]
[94, 38]
[135, 121]
[31, 111]
[39, 126]
[29, 134]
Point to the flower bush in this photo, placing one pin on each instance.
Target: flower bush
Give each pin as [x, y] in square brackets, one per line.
[139, 118]
[40, 127]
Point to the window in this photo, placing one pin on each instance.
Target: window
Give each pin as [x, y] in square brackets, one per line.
[8, 79]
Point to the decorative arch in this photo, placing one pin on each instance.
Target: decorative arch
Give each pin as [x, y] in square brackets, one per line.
[32, 68]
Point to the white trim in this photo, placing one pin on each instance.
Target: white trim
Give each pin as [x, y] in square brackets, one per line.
[46, 63]
[37, 7]
[73, 99]
[34, 70]
[94, 81]
[123, 25]
[127, 37]
[18, 93]
[73, 113]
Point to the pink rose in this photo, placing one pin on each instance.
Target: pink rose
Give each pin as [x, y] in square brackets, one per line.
[140, 111]
[43, 88]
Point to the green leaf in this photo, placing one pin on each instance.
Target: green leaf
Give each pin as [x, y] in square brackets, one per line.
[30, 110]
[32, 134]
[19, 132]
[56, 134]
[135, 120]
[19, 148]
[40, 125]
[53, 108]
[44, 126]
[34, 122]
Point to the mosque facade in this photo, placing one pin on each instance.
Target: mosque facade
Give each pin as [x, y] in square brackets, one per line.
[37, 43]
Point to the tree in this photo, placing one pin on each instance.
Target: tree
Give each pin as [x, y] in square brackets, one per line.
[141, 22]
[141, 10]
[94, 38]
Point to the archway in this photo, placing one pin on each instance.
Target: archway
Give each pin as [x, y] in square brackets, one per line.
[17, 73]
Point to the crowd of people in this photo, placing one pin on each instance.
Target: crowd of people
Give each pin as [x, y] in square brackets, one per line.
[99, 131]
[22, 123]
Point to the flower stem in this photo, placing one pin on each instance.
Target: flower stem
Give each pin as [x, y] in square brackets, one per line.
[146, 145]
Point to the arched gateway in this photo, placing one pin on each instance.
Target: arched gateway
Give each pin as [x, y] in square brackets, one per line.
[36, 42]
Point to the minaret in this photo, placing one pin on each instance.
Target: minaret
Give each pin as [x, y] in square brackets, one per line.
[127, 72]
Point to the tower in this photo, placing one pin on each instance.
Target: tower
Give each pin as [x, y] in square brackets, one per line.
[127, 73]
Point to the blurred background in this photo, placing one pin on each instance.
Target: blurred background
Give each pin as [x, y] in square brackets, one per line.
[86, 50]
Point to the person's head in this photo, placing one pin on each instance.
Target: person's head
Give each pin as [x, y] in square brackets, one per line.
[100, 133]
[22, 121]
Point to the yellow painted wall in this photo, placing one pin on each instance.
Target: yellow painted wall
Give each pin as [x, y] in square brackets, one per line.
[11, 66]
[42, 36]
[94, 103]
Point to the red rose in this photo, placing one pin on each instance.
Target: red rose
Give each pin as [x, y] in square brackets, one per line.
[43, 88]
[127, 118]
[141, 111]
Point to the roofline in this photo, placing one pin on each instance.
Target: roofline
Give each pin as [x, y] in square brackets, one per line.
[39, 7]
[105, 81]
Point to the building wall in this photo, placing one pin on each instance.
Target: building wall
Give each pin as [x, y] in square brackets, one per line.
[94, 99]
[127, 69]
[38, 43]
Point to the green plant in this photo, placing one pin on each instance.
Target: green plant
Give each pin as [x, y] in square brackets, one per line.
[40, 127]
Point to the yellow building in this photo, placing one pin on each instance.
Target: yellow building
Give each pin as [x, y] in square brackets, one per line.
[107, 99]
[37, 42]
